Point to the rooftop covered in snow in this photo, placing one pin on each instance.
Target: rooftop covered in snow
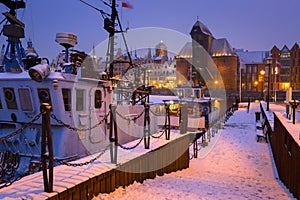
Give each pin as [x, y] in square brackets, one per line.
[252, 57]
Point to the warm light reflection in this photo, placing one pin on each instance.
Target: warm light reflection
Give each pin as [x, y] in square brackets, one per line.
[285, 85]
[262, 72]
[222, 54]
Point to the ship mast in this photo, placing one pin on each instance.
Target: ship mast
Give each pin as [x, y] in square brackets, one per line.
[111, 29]
[110, 26]
[112, 38]
[13, 30]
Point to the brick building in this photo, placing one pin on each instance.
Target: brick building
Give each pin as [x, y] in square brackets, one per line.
[295, 67]
[282, 78]
[253, 73]
[205, 50]
[183, 65]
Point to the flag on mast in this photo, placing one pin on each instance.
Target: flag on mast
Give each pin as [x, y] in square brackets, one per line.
[126, 4]
[277, 67]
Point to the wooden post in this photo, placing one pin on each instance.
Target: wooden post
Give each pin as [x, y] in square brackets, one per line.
[47, 142]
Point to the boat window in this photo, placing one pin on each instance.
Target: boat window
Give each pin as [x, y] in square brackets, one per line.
[67, 98]
[197, 93]
[98, 99]
[0, 104]
[44, 95]
[10, 98]
[180, 93]
[25, 99]
[79, 100]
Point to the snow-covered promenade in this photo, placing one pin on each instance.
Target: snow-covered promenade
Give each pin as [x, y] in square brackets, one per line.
[233, 166]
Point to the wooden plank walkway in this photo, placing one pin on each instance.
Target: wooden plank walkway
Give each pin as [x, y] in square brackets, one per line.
[101, 176]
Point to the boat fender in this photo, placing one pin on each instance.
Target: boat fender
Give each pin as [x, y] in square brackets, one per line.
[39, 72]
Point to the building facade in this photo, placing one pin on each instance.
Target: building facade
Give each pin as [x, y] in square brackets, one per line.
[253, 74]
[205, 50]
[295, 67]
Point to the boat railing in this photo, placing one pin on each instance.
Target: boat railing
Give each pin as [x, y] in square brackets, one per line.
[48, 159]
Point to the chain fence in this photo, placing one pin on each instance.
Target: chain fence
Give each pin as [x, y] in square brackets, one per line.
[22, 128]
[128, 118]
[9, 162]
[53, 116]
[130, 148]
[62, 162]
[66, 163]
[162, 131]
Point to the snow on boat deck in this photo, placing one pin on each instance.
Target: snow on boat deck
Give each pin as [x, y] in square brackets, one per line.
[67, 179]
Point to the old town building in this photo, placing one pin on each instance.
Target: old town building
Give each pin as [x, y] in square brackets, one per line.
[253, 74]
[295, 67]
[195, 60]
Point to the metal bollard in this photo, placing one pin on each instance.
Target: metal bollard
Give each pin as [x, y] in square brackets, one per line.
[183, 118]
[45, 108]
[113, 134]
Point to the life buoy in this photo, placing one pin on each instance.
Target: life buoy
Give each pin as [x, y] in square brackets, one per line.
[9, 95]
[44, 96]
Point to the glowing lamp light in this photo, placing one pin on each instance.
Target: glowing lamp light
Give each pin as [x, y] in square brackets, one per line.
[268, 62]
[262, 72]
[55, 84]
[294, 103]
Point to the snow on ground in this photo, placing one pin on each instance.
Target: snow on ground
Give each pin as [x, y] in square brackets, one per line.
[237, 167]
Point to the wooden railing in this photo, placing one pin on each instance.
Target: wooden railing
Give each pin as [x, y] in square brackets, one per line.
[286, 150]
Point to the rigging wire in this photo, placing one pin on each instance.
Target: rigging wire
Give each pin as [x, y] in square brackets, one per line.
[32, 21]
[103, 14]
[105, 3]
[6, 21]
[23, 12]
[3, 20]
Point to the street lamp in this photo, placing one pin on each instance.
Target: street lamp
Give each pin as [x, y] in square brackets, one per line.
[294, 104]
[255, 84]
[269, 62]
[262, 73]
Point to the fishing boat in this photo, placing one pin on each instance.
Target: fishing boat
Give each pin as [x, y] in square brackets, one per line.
[79, 96]
[82, 102]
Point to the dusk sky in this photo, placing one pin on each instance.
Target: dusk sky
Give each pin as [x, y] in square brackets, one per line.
[248, 24]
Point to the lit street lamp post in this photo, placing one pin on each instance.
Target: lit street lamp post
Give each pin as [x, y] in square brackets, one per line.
[262, 73]
[294, 104]
[269, 61]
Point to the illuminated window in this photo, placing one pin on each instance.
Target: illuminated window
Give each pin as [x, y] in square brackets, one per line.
[25, 99]
[79, 100]
[67, 99]
[98, 99]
